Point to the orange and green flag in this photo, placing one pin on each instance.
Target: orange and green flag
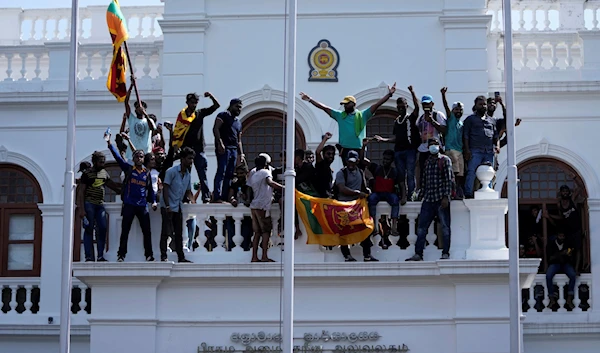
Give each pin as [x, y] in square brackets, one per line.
[329, 222]
[117, 27]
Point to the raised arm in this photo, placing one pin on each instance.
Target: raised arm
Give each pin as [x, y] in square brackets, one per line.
[126, 138]
[445, 101]
[415, 113]
[319, 150]
[213, 108]
[323, 107]
[385, 98]
[123, 122]
[127, 107]
[117, 156]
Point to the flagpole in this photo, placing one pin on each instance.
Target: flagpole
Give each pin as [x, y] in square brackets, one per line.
[69, 190]
[513, 201]
[290, 183]
[137, 94]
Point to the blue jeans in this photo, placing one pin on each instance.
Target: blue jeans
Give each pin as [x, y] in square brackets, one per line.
[406, 162]
[388, 197]
[428, 212]
[96, 214]
[477, 159]
[201, 165]
[225, 168]
[246, 232]
[568, 270]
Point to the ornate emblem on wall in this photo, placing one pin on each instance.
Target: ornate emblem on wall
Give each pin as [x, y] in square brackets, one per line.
[323, 61]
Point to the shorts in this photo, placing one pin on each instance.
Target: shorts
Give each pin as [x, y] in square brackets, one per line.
[260, 223]
[458, 162]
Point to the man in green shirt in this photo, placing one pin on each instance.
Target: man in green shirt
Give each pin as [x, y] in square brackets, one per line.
[351, 121]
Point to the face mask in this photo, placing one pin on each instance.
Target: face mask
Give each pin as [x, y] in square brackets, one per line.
[434, 149]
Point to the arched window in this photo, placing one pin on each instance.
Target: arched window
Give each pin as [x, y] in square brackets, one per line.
[264, 132]
[382, 124]
[20, 223]
[539, 182]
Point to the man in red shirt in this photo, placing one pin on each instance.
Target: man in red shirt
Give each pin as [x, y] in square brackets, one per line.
[385, 186]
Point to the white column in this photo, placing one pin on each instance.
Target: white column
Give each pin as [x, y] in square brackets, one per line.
[52, 218]
[11, 26]
[594, 238]
[487, 230]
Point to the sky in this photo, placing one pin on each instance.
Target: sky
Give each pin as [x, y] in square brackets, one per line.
[39, 4]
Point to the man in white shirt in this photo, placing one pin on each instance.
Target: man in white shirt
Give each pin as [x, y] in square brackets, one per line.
[262, 184]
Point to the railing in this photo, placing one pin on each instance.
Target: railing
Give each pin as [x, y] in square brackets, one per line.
[33, 62]
[39, 26]
[547, 15]
[21, 297]
[535, 298]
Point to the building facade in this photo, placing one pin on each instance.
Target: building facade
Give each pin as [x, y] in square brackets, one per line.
[236, 49]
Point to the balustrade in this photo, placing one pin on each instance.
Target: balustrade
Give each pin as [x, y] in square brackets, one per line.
[535, 298]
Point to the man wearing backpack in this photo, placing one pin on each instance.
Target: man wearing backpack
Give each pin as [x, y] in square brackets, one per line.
[350, 185]
[136, 193]
[436, 191]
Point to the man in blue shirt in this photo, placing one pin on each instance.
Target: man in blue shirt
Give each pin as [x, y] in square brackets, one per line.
[228, 143]
[176, 187]
[136, 192]
[480, 137]
[351, 121]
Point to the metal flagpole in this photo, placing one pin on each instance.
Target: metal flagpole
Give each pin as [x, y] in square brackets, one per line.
[69, 188]
[290, 187]
[513, 198]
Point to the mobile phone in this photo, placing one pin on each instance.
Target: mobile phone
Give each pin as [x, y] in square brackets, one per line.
[107, 131]
[496, 94]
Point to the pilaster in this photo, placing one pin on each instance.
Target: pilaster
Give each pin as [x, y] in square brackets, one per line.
[52, 220]
[594, 238]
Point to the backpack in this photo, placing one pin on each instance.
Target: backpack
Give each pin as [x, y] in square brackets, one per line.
[127, 180]
[363, 185]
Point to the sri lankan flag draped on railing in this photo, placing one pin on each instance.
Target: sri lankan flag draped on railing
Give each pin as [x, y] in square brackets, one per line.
[329, 222]
[118, 31]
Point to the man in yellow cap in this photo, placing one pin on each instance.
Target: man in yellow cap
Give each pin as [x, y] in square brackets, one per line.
[351, 121]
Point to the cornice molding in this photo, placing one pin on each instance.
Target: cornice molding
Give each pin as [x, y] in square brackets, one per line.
[465, 22]
[184, 24]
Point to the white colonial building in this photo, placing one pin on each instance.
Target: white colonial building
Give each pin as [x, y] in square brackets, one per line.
[236, 49]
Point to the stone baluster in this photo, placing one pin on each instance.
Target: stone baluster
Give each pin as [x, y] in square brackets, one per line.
[152, 25]
[553, 56]
[68, 30]
[9, 71]
[28, 299]
[576, 299]
[104, 69]
[569, 58]
[140, 23]
[275, 238]
[238, 238]
[496, 26]
[412, 236]
[546, 20]
[538, 60]
[220, 238]
[534, 21]
[201, 234]
[531, 299]
[55, 29]
[23, 66]
[524, 59]
[83, 302]
[431, 237]
[560, 282]
[32, 29]
[521, 19]
[88, 68]
[37, 71]
[147, 55]
[595, 19]
[80, 29]
[546, 300]
[13, 299]
[44, 28]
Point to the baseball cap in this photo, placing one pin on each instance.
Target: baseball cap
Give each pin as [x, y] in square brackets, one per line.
[235, 101]
[457, 104]
[427, 99]
[348, 99]
[352, 157]
[267, 157]
[83, 166]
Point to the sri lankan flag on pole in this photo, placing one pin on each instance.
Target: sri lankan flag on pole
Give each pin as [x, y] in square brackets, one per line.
[116, 83]
[329, 222]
